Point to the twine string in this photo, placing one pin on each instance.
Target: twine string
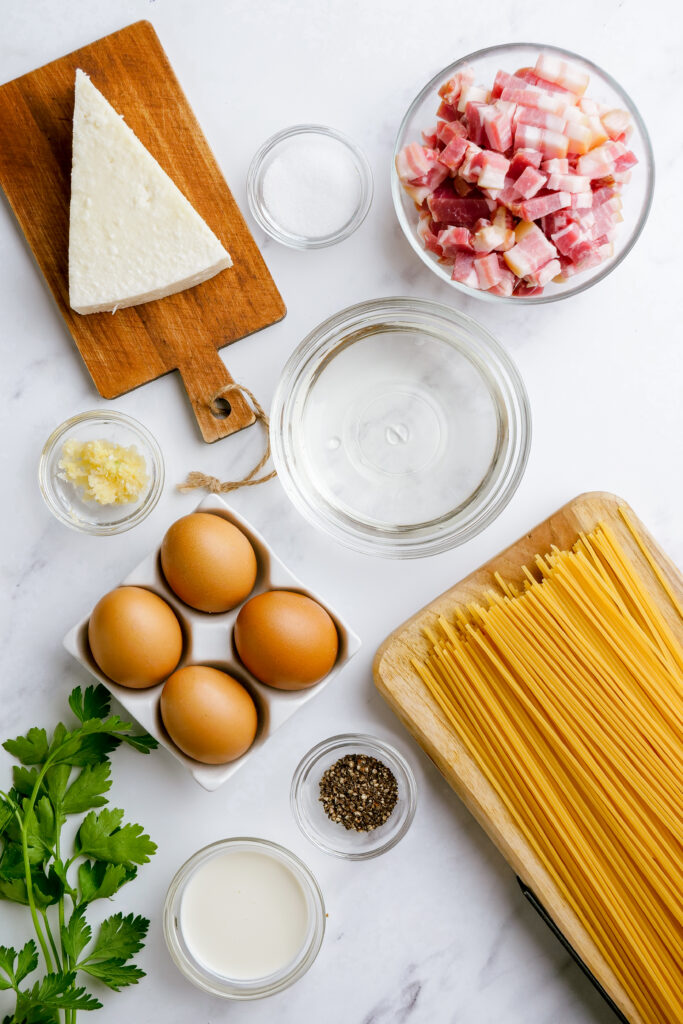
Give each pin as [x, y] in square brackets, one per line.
[212, 483]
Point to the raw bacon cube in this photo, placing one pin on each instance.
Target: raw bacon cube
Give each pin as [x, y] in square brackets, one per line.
[506, 285]
[493, 237]
[530, 96]
[561, 72]
[545, 275]
[541, 206]
[450, 91]
[501, 80]
[452, 156]
[566, 238]
[471, 94]
[475, 125]
[551, 144]
[446, 131]
[425, 230]
[540, 119]
[617, 123]
[492, 169]
[569, 183]
[463, 270]
[448, 208]
[529, 183]
[468, 171]
[446, 112]
[454, 240]
[522, 159]
[488, 271]
[531, 251]
[498, 125]
[556, 166]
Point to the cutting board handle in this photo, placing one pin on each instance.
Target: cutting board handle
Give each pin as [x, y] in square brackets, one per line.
[204, 375]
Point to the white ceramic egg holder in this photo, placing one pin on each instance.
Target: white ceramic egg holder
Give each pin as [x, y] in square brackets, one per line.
[208, 640]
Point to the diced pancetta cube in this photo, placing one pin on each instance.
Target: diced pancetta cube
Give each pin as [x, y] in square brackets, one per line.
[531, 251]
[506, 285]
[532, 97]
[540, 278]
[625, 162]
[463, 270]
[503, 219]
[569, 183]
[498, 125]
[454, 153]
[446, 131]
[529, 183]
[550, 144]
[454, 240]
[529, 75]
[501, 80]
[579, 137]
[450, 91]
[488, 271]
[446, 112]
[448, 208]
[425, 231]
[599, 162]
[469, 172]
[522, 159]
[555, 166]
[430, 138]
[567, 237]
[492, 168]
[553, 69]
[540, 119]
[617, 123]
[541, 206]
[492, 237]
[475, 125]
[414, 162]
[581, 200]
[471, 94]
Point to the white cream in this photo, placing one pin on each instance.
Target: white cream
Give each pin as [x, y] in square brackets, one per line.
[244, 915]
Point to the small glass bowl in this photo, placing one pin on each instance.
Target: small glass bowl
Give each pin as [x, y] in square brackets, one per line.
[230, 988]
[62, 497]
[257, 204]
[329, 835]
[636, 195]
[400, 427]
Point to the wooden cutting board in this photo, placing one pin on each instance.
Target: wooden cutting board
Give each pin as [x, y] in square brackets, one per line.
[183, 331]
[401, 686]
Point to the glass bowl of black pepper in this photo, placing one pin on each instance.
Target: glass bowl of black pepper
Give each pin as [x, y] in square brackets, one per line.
[353, 796]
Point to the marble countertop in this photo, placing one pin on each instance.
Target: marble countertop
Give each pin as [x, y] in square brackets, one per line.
[436, 931]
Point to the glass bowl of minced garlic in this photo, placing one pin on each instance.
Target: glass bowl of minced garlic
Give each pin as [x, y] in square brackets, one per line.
[101, 473]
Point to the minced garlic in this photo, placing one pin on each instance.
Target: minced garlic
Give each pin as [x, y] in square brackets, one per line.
[106, 472]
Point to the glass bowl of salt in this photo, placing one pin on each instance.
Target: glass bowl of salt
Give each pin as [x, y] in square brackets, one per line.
[309, 186]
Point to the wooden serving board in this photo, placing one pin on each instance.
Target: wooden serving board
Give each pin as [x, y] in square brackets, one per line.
[401, 686]
[183, 331]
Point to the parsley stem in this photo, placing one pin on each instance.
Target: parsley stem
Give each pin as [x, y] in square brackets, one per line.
[48, 930]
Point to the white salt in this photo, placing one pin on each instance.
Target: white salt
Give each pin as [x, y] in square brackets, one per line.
[311, 187]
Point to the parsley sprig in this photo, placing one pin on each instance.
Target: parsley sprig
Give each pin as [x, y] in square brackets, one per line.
[65, 774]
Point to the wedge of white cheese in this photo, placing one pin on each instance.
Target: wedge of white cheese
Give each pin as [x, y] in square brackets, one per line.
[133, 236]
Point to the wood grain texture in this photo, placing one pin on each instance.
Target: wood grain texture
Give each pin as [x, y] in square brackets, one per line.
[401, 686]
[183, 331]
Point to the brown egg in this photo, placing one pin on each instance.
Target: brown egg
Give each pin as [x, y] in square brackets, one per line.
[286, 640]
[135, 637]
[208, 562]
[208, 714]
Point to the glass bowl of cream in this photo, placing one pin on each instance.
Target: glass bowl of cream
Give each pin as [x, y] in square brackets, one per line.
[101, 472]
[309, 186]
[243, 918]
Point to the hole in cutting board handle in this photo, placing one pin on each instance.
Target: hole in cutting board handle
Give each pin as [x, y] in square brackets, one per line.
[220, 408]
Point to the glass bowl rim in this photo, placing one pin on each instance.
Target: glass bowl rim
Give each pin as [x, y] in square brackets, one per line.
[581, 286]
[259, 987]
[410, 543]
[151, 498]
[301, 241]
[380, 748]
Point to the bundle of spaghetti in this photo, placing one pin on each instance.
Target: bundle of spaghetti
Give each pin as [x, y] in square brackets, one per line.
[568, 695]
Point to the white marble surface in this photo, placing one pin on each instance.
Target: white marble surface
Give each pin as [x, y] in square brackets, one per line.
[435, 931]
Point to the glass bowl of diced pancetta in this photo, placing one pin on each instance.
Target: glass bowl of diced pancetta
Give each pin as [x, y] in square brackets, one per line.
[522, 173]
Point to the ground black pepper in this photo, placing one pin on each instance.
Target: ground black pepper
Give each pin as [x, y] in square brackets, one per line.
[358, 792]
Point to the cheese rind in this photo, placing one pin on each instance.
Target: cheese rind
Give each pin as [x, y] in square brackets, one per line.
[133, 236]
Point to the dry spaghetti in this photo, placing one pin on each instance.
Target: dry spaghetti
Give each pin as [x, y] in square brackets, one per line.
[568, 694]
